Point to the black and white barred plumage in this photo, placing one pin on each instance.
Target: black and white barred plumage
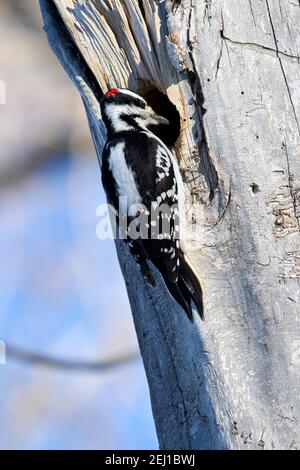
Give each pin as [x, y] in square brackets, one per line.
[143, 184]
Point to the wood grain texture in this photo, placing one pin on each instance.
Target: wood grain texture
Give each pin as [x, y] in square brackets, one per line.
[231, 67]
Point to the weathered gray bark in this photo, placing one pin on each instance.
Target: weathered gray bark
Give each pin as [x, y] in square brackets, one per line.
[232, 70]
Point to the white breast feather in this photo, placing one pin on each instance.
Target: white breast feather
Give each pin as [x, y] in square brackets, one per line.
[123, 176]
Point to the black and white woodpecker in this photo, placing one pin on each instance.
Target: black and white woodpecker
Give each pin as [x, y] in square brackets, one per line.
[140, 172]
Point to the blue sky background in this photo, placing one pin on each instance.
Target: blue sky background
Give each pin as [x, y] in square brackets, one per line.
[62, 294]
[61, 290]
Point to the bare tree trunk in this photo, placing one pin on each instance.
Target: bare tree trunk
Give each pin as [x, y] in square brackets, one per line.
[232, 70]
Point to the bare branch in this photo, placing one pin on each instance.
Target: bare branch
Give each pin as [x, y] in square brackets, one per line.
[37, 359]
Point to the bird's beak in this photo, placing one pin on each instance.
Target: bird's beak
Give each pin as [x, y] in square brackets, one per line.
[159, 120]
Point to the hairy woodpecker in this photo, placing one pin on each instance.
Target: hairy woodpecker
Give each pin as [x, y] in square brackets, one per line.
[143, 184]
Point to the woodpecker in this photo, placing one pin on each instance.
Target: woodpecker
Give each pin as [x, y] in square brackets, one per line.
[142, 181]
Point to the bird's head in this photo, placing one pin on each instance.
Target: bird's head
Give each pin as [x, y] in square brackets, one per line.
[123, 110]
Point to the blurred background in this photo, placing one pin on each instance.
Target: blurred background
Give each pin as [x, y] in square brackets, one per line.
[62, 294]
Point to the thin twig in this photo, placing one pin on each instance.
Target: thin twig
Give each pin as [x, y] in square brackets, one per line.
[104, 365]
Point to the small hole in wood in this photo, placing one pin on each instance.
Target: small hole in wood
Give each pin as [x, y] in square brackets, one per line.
[163, 106]
[254, 188]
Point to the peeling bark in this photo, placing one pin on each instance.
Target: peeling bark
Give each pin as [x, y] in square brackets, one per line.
[232, 381]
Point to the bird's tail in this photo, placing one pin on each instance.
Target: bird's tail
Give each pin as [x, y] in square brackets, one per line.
[187, 291]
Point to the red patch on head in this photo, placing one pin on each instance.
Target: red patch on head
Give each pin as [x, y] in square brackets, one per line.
[112, 92]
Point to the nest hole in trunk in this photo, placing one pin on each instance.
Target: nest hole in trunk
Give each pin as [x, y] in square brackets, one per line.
[163, 106]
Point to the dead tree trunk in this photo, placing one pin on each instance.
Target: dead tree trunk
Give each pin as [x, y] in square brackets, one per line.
[232, 70]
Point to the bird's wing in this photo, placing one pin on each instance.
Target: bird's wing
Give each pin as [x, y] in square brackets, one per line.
[166, 247]
[155, 177]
